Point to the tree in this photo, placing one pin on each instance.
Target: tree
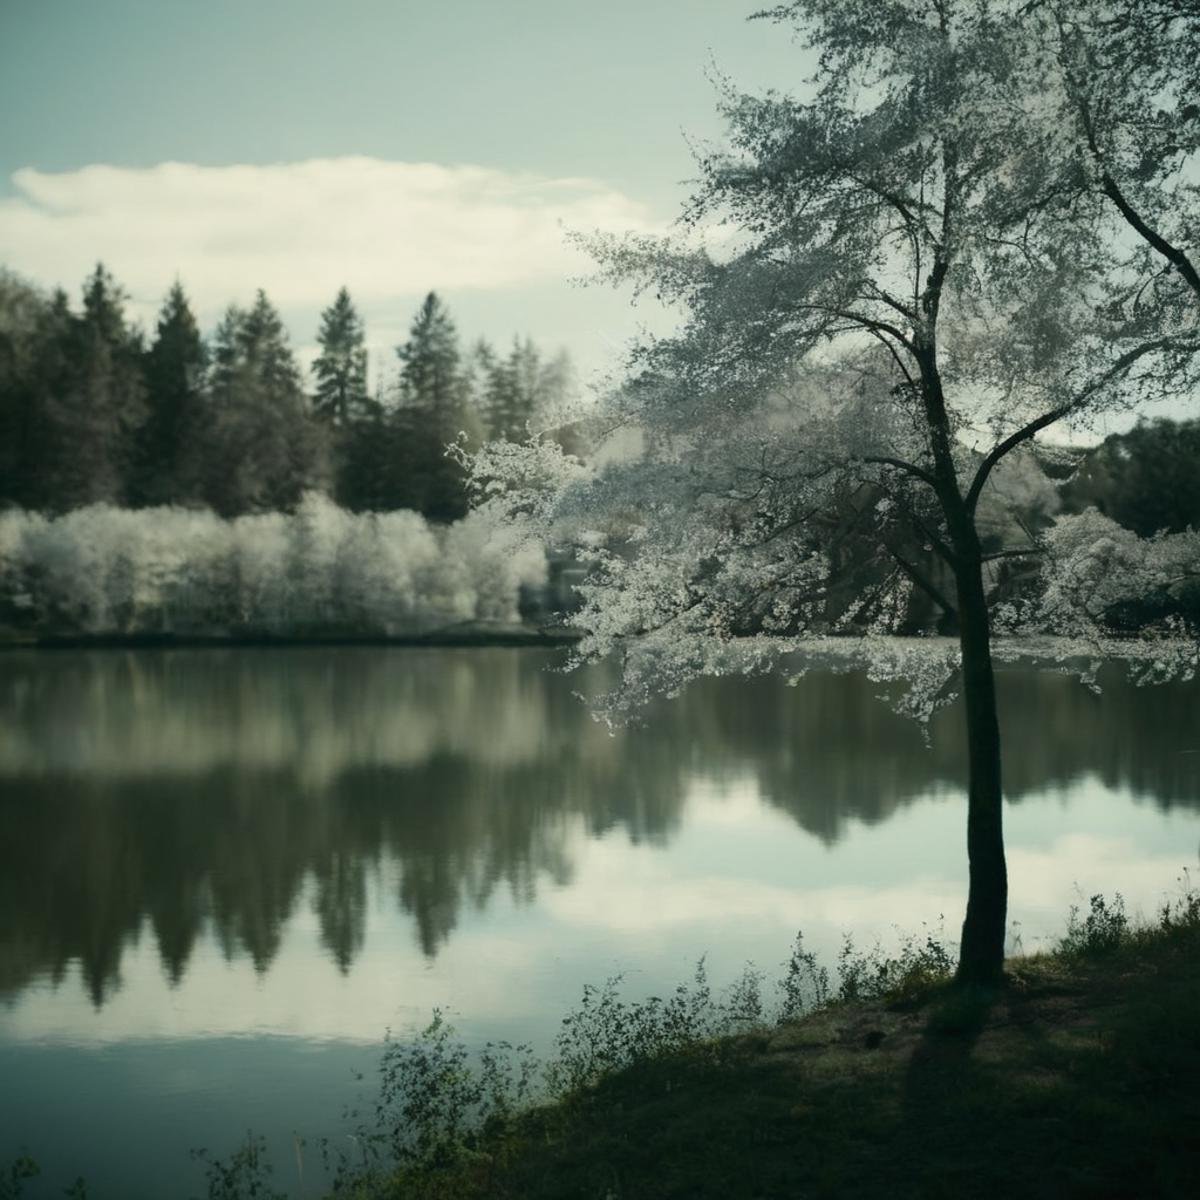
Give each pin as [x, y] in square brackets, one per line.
[85, 401]
[25, 328]
[1147, 479]
[167, 470]
[266, 448]
[433, 409]
[341, 367]
[892, 304]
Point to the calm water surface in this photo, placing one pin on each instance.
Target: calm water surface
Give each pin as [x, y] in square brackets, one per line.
[225, 873]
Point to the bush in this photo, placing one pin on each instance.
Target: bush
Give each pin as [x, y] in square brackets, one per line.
[1103, 930]
[103, 571]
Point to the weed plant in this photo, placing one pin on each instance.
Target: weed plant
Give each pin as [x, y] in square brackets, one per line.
[446, 1116]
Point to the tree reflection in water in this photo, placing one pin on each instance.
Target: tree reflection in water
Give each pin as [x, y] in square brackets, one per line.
[197, 790]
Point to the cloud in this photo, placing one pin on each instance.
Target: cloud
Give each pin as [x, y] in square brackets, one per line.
[301, 230]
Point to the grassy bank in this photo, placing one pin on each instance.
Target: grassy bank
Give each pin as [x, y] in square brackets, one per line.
[1081, 1078]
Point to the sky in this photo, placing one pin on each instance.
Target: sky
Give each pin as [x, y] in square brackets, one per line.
[392, 146]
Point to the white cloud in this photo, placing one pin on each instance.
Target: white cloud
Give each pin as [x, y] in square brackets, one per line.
[301, 230]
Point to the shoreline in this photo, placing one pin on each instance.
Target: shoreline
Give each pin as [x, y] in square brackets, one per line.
[1083, 1061]
[468, 635]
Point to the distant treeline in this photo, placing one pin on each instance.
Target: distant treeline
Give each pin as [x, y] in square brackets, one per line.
[1147, 479]
[90, 412]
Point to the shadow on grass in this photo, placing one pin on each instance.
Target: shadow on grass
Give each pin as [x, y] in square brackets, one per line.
[1075, 1080]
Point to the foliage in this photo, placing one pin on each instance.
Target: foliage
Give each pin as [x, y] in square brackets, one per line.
[804, 986]
[102, 570]
[435, 1099]
[889, 1060]
[15, 1175]
[872, 975]
[433, 407]
[1146, 480]
[791, 415]
[71, 394]
[89, 416]
[1098, 577]
[170, 444]
[885, 299]
[267, 449]
[341, 367]
[522, 391]
[1104, 929]
[244, 1175]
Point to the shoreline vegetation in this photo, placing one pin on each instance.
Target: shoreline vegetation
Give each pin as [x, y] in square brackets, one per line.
[1074, 1078]
[468, 634]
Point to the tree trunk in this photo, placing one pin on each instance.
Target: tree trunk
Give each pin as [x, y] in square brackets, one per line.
[981, 959]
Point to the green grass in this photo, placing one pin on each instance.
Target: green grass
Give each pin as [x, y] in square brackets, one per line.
[1078, 1078]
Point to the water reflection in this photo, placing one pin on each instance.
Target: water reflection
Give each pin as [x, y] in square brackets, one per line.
[197, 792]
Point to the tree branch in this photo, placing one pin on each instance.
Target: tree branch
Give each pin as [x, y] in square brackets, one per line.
[925, 584]
[907, 467]
[1057, 414]
[862, 321]
[1109, 186]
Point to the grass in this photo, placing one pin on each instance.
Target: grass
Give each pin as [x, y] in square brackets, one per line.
[1079, 1077]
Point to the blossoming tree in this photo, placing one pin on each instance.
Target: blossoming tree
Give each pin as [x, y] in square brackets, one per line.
[889, 287]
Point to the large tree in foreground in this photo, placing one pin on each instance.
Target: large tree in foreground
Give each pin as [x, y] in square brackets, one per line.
[887, 299]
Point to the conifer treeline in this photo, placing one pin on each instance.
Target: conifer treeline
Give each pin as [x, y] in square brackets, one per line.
[89, 412]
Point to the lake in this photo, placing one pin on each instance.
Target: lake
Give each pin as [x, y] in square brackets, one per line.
[224, 873]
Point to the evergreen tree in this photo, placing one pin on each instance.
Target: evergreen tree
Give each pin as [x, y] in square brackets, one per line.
[372, 471]
[341, 367]
[168, 469]
[24, 314]
[525, 393]
[431, 377]
[511, 392]
[1147, 479]
[478, 365]
[434, 407]
[92, 398]
[358, 440]
[265, 448]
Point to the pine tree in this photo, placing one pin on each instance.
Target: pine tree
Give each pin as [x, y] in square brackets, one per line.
[512, 392]
[168, 471]
[434, 407]
[525, 394]
[94, 398]
[266, 449]
[24, 319]
[341, 367]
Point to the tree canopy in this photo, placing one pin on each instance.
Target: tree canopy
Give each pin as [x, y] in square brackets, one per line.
[891, 285]
[89, 414]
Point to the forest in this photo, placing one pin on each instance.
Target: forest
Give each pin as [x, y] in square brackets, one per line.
[179, 484]
[94, 412]
[187, 485]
